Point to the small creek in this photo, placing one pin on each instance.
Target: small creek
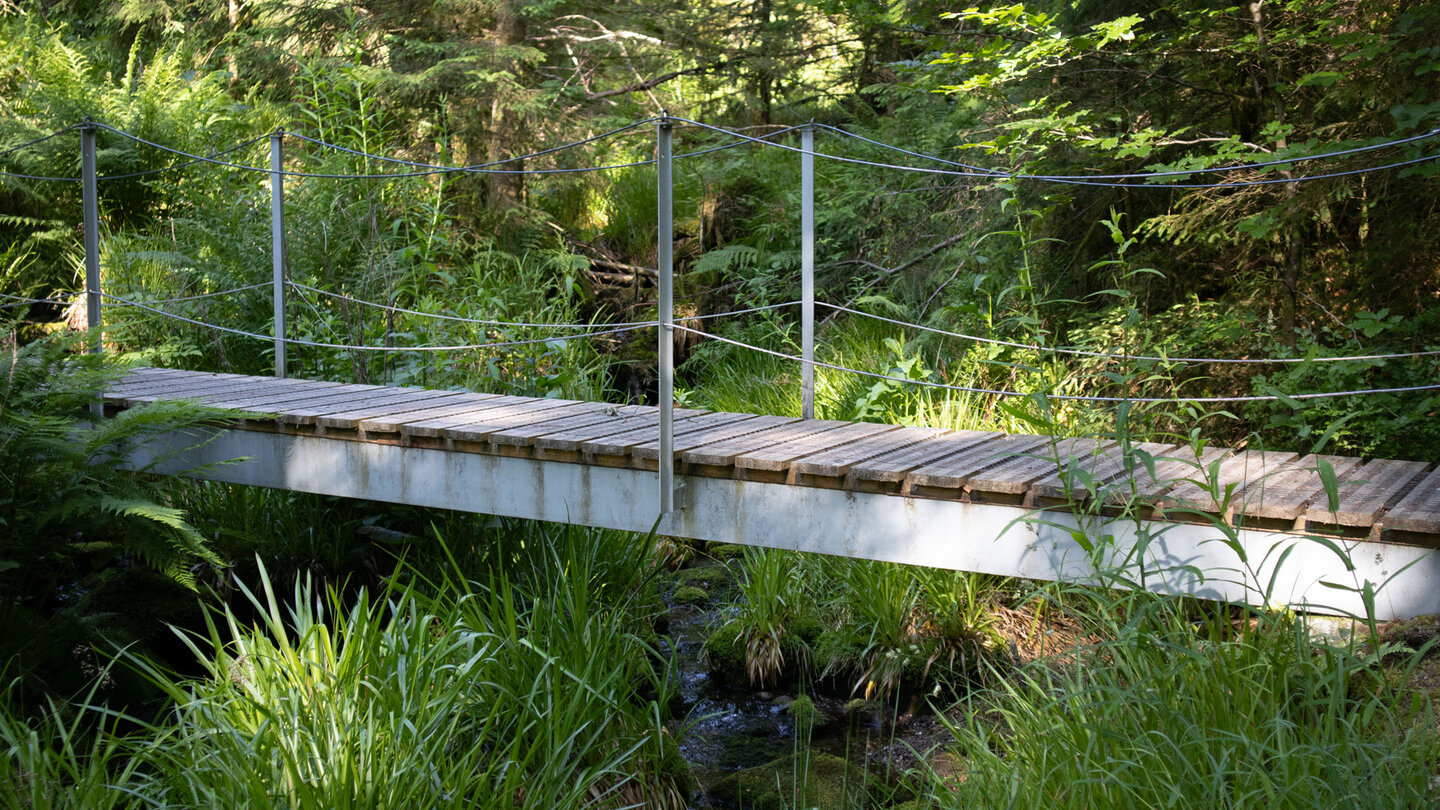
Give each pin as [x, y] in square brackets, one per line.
[723, 728]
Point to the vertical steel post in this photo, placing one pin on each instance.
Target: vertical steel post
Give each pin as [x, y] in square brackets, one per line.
[91, 205]
[807, 272]
[666, 315]
[277, 245]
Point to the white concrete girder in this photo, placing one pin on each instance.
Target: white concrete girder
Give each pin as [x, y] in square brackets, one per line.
[997, 539]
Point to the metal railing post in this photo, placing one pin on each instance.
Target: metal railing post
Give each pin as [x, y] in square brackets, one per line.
[90, 207]
[807, 272]
[90, 203]
[277, 244]
[666, 313]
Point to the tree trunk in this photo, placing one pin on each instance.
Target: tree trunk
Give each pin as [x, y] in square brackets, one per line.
[765, 75]
[1294, 255]
[506, 190]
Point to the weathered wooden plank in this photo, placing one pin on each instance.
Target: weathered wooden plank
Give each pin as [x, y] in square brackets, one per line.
[777, 457]
[714, 434]
[895, 466]
[272, 397]
[955, 471]
[1207, 491]
[623, 419]
[351, 419]
[430, 428]
[144, 377]
[148, 374]
[1014, 476]
[151, 371]
[311, 411]
[462, 404]
[1419, 511]
[1366, 492]
[1092, 476]
[722, 453]
[835, 462]
[226, 396]
[178, 387]
[1286, 494]
[558, 420]
[624, 443]
[479, 427]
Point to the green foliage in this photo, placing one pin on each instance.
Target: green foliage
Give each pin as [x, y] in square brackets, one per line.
[72, 519]
[763, 623]
[803, 779]
[1167, 712]
[469, 697]
[64, 758]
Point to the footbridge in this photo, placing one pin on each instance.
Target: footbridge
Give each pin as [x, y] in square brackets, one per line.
[1324, 532]
[1015, 505]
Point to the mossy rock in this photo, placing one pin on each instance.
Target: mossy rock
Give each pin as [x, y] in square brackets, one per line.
[827, 783]
[728, 551]
[863, 706]
[725, 652]
[706, 576]
[803, 710]
[691, 595]
[726, 656]
[747, 748]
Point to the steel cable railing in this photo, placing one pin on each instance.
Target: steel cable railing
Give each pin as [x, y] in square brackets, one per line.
[1066, 397]
[356, 347]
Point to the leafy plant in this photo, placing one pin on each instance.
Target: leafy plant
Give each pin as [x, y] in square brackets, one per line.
[72, 517]
[1171, 712]
[765, 618]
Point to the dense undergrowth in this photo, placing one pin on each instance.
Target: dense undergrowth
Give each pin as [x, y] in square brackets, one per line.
[335, 653]
[387, 656]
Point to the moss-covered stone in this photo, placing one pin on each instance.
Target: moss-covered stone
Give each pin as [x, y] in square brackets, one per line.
[707, 576]
[825, 782]
[725, 650]
[747, 748]
[728, 551]
[803, 710]
[691, 595]
[863, 706]
[725, 653]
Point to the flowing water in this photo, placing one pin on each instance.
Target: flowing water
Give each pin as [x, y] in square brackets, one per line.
[727, 727]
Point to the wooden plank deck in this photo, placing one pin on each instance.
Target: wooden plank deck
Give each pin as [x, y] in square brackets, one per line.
[1282, 491]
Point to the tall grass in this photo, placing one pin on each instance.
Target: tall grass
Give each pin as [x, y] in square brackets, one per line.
[1168, 713]
[63, 757]
[531, 692]
[477, 696]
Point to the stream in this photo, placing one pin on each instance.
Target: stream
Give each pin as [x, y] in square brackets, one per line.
[723, 728]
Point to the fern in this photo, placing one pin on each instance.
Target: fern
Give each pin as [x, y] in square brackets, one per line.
[59, 479]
